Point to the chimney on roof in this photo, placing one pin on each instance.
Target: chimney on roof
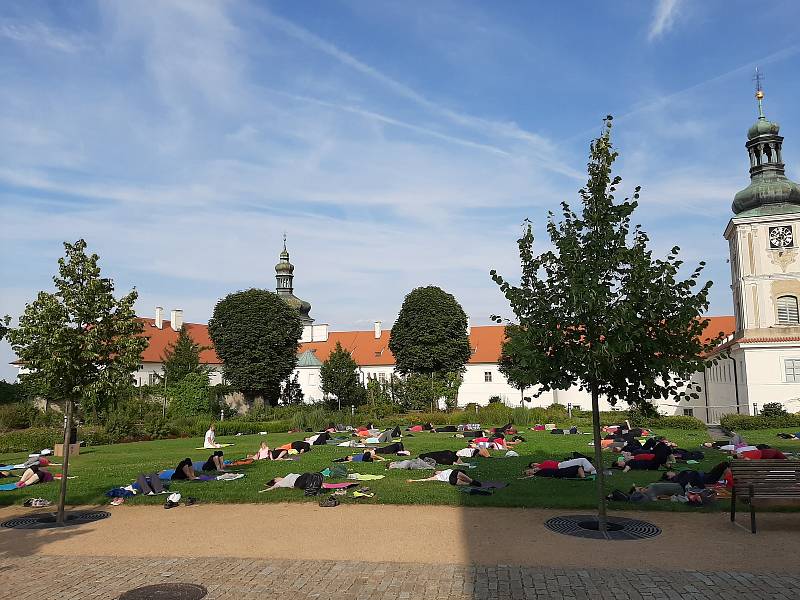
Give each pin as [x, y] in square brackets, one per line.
[159, 317]
[176, 319]
[377, 330]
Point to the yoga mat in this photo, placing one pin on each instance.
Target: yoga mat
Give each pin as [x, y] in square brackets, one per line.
[7, 487]
[364, 476]
[337, 486]
[220, 446]
[493, 485]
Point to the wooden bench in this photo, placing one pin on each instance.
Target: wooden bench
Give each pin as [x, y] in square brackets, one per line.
[764, 483]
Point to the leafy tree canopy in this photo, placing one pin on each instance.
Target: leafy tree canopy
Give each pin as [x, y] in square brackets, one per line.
[79, 343]
[598, 310]
[430, 334]
[182, 358]
[339, 378]
[256, 334]
[292, 392]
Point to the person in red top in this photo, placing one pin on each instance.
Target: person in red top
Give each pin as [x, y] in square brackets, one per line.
[765, 454]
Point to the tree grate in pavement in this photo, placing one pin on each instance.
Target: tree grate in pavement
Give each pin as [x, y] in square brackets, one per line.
[619, 528]
[48, 520]
[166, 591]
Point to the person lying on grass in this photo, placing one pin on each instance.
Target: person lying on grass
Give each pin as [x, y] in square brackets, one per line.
[264, 453]
[698, 479]
[644, 462]
[761, 453]
[368, 455]
[214, 462]
[395, 448]
[302, 481]
[451, 476]
[184, 470]
[34, 474]
[472, 450]
[443, 457]
[299, 447]
[574, 467]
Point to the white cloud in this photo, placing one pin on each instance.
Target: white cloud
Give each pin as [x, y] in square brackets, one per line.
[664, 16]
[41, 36]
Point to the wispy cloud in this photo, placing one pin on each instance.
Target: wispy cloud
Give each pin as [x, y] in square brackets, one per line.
[664, 17]
[42, 36]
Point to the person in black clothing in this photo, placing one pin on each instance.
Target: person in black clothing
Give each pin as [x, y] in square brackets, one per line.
[697, 478]
[442, 457]
[301, 446]
[184, 470]
[391, 448]
[214, 462]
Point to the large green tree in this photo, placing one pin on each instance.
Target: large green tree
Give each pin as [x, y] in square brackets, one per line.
[292, 392]
[339, 378]
[256, 334]
[430, 334]
[79, 343]
[599, 312]
[182, 358]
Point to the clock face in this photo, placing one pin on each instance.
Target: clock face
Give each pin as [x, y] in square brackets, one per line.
[781, 237]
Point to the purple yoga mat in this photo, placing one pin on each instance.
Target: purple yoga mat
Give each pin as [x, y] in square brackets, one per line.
[337, 486]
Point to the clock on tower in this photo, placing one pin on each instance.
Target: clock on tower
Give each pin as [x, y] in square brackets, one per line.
[781, 237]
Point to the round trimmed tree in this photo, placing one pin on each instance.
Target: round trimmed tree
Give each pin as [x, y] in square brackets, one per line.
[256, 334]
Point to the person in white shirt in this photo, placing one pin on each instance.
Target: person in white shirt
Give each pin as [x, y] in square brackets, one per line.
[451, 476]
[210, 440]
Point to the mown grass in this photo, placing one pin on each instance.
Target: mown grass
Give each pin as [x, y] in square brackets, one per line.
[98, 469]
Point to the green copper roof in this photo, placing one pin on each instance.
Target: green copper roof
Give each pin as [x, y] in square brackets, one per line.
[763, 127]
[769, 210]
[308, 359]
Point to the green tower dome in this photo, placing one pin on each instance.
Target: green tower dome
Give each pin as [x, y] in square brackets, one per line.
[770, 191]
[284, 276]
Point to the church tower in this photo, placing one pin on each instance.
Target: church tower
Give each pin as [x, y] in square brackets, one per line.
[763, 364]
[763, 239]
[284, 287]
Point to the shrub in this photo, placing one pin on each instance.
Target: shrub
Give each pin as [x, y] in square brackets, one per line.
[747, 422]
[248, 427]
[29, 440]
[17, 415]
[155, 426]
[495, 400]
[119, 425]
[190, 396]
[94, 436]
[675, 422]
[773, 409]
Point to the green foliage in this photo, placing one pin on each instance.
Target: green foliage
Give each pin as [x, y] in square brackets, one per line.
[430, 333]
[598, 311]
[189, 396]
[292, 393]
[773, 409]
[30, 440]
[18, 415]
[13, 392]
[79, 343]
[339, 378]
[4, 326]
[120, 426]
[255, 333]
[675, 422]
[495, 399]
[182, 358]
[746, 422]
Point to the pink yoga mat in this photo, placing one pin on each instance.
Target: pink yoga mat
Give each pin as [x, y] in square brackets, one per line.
[337, 486]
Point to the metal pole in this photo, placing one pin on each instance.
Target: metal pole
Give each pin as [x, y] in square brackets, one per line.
[62, 495]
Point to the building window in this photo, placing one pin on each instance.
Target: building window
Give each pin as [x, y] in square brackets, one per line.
[487, 376]
[787, 311]
[151, 379]
[791, 367]
[688, 412]
[382, 377]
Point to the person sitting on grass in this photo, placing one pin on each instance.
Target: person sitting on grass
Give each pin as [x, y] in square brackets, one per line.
[210, 441]
[184, 470]
[34, 474]
[367, 456]
[451, 476]
[214, 462]
[262, 453]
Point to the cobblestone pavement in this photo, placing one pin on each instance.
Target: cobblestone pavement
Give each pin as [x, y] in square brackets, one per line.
[78, 578]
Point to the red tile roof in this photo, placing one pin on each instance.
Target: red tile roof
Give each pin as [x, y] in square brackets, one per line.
[486, 342]
[160, 339]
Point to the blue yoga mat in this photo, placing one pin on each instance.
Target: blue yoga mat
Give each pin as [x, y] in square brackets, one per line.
[7, 487]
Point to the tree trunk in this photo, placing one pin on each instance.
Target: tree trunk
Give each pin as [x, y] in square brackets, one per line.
[62, 495]
[598, 462]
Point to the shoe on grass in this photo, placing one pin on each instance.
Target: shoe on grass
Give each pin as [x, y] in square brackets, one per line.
[328, 503]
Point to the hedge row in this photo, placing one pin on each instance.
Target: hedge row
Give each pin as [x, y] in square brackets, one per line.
[747, 422]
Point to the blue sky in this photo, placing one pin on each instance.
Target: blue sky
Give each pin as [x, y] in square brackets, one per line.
[398, 144]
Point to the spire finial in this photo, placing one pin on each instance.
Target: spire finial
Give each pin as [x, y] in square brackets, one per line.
[758, 78]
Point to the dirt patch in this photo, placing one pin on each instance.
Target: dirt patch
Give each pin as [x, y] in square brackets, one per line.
[421, 534]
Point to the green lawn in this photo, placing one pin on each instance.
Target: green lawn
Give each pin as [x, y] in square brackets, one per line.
[103, 467]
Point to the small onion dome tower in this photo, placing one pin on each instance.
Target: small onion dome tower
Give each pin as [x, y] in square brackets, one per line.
[284, 274]
[770, 191]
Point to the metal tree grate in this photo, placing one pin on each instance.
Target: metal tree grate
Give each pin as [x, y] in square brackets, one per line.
[166, 591]
[619, 528]
[48, 520]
